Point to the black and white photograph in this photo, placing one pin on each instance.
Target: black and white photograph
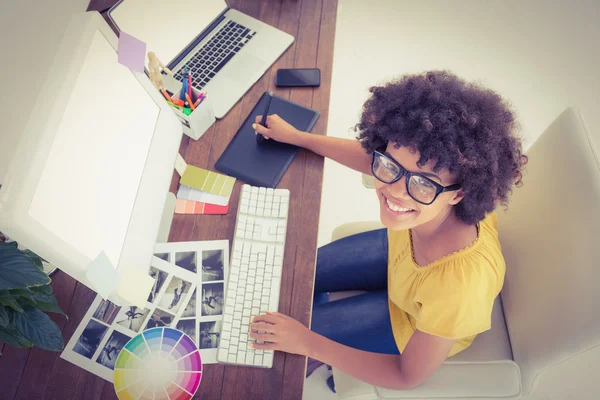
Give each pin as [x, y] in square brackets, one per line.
[212, 299]
[160, 318]
[159, 279]
[188, 326]
[106, 312]
[209, 334]
[212, 265]
[90, 339]
[132, 318]
[186, 260]
[112, 348]
[174, 295]
[164, 256]
[190, 309]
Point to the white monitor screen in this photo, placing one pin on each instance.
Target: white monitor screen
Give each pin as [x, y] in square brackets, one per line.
[167, 27]
[88, 186]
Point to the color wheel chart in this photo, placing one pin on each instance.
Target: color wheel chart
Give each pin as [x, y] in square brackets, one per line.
[158, 364]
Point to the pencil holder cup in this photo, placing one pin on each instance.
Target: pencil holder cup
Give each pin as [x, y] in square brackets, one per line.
[198, 122]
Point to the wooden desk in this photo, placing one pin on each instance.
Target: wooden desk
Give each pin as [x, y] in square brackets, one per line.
[34, 374]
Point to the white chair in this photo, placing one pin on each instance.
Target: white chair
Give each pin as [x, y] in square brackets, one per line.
[547, 312]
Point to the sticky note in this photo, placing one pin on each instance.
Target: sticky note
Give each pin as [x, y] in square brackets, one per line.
[134, 286]
[208, 181]
[102, 275]
[180, 165]
[188, 193]
[132, 52]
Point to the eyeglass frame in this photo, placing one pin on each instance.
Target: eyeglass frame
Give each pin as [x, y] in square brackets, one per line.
[439, 189]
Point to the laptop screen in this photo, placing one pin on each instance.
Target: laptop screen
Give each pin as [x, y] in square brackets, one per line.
[167, 27]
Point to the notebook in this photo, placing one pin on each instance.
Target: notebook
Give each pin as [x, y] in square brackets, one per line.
[264, 164]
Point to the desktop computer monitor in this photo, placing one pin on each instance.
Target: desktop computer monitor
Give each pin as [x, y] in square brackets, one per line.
[92, 169]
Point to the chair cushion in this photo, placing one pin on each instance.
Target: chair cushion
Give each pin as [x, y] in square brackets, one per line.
[485, 369]
[549, 237]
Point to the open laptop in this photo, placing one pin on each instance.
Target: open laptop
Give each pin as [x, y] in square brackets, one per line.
[225, 50]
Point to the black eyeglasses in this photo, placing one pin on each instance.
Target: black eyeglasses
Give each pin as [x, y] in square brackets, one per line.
[422, 189]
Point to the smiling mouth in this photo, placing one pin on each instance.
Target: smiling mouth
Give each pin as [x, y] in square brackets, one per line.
[396, 209]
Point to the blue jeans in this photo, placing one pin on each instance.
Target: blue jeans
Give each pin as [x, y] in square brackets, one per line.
[357, 262]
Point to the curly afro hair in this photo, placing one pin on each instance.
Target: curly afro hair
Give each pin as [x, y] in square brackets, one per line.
[460, 126]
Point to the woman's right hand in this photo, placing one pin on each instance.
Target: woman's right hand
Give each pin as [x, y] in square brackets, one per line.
[277, 129]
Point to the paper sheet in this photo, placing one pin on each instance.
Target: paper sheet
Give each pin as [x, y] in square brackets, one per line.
[208, 181]
[132, 52]
[102, 275]
[181, 273]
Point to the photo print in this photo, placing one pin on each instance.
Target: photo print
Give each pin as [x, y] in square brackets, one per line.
[186, 260]
[159, 279]
[160, 318]
[212, 265]
[132, 318]
[212, 299]
[90, 339]
[112, 348]
[163, 256]
[106, 312]
[174, 295]
[210, 333]
[190, 309]
[188, 326]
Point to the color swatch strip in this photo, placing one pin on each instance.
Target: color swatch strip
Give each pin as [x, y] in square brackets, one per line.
[196, 207]
[189, 193]
[208, 181]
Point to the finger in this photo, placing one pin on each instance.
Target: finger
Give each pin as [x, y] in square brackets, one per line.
[262, 326]
[264, 346]
[264, 337]
[265, 318]
[276, 314]
[266, 137]
[258, 128]
[258, 118]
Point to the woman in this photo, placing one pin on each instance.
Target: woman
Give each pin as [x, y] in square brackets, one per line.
[444, 154]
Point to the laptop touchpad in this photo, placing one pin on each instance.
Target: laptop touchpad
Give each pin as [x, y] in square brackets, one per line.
[243, 67]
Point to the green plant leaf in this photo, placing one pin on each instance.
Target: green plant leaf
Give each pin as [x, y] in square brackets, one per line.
[45, 301]
[17, 270]
[7, 299]
[39, 329]
[35, 259]
[4, 317]
[43, 289]
[13, 338]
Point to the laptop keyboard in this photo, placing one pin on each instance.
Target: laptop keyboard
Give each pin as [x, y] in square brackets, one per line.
[213, 56]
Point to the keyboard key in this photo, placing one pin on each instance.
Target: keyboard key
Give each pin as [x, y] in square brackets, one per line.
[241, 357]
[267, 358]
[274, 298]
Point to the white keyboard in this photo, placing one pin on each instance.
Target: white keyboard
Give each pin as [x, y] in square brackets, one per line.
[254, 272]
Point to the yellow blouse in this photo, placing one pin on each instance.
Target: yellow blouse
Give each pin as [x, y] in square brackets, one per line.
[451, 297]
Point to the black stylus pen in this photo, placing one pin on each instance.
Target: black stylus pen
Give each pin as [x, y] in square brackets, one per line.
[263, 121]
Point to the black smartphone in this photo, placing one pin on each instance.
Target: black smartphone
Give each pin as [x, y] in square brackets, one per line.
[304, 77]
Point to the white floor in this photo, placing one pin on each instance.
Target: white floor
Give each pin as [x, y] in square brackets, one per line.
[538, 54]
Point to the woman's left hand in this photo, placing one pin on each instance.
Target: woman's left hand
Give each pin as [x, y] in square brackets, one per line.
[282, 333]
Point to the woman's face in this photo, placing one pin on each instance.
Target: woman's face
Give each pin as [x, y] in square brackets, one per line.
[398, 210]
